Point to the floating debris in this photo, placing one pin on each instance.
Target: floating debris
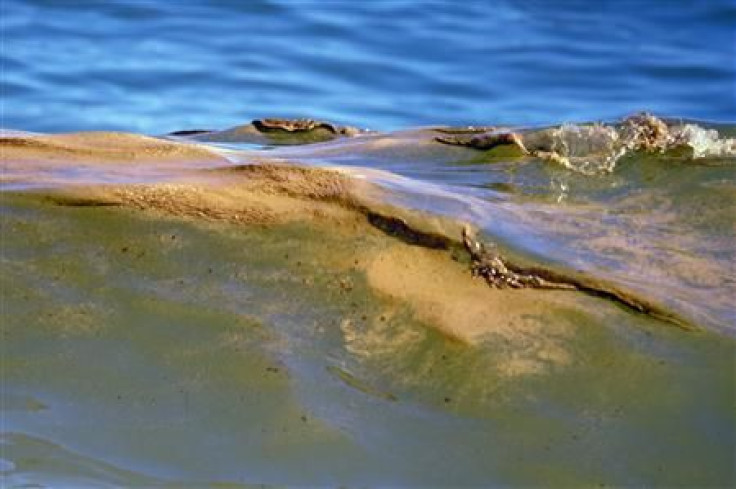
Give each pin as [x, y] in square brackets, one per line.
[496, 272]
[485, 141]
[301, 125]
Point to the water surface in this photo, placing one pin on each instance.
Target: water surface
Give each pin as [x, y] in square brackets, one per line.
[170, 340]
[155, 67]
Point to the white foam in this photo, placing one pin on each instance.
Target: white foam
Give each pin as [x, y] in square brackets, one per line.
[705, 143]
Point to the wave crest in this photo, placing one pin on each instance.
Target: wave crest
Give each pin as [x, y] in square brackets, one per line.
[597, 148]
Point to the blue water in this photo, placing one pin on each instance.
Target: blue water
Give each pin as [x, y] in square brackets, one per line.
[153, 67]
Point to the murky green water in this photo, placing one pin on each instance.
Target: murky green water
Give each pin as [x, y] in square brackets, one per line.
[144, 350]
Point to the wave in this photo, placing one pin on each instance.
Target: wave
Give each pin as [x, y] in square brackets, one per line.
[182, 176]
[597, 148]
[589, 148]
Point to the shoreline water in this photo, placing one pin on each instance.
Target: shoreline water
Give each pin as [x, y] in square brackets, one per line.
[326, 310]
[117, 158]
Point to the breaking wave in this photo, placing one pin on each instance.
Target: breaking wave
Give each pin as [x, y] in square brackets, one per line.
[597, 148]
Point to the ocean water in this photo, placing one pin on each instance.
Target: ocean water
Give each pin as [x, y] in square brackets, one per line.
[155, 67]
[162, 326]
